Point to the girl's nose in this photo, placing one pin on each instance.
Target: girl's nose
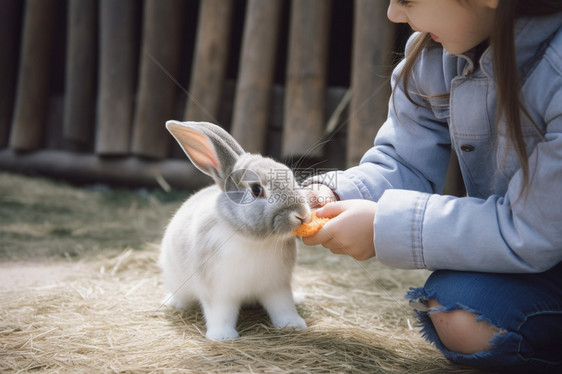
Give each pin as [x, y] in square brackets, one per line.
[396, 13]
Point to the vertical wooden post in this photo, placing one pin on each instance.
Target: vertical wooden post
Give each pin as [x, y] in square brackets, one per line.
[10, 17]
[117, 76]
[373, 41]
[304, 115]
[255, 77]
[34, 73]
[160, 57]
[210, 61]
[80, 79]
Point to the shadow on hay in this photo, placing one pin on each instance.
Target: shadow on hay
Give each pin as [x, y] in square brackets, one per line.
[251, 318]
[327, 345]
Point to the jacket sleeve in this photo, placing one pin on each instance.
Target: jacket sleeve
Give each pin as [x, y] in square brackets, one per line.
[411, 151]
[512, 233]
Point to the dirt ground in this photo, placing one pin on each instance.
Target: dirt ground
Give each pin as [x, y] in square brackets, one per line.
[80, 291]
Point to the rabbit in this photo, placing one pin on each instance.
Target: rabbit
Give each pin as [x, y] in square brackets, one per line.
[231, 243]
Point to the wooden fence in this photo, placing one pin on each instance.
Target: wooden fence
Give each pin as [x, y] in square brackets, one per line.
[87, 85]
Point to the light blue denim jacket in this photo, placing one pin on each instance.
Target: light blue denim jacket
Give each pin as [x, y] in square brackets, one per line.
[415, 226]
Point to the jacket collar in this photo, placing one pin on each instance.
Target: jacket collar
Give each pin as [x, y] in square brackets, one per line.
[531, 35]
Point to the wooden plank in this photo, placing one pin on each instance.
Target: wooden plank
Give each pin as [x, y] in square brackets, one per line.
[160, 57]
[210, 61]
[34, 75]
[373, 41]
[304, 113]
[10, 26]
[89, 168]
[80, 79]
[255, 77]
[117, 76]
[333, 156]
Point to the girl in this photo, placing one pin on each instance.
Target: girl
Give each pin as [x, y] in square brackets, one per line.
[482, 78]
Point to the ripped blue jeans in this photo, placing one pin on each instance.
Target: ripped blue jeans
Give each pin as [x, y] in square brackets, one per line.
[526, 308]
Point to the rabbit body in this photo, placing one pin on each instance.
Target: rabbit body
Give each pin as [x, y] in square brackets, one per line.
[224, 252]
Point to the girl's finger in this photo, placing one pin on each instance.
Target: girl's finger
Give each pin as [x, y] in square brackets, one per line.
[335, 247]
[320, 238]
[331, 210]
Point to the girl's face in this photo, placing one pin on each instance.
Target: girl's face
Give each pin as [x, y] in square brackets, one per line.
[458, 25]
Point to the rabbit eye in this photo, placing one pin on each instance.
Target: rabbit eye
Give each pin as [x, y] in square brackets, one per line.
[257, 190]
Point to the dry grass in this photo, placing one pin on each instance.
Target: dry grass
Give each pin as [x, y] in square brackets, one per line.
[104, 313]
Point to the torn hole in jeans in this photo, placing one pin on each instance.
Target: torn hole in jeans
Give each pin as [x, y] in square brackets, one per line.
[418, 301]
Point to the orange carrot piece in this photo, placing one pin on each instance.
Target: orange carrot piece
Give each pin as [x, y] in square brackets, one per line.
[308, 229]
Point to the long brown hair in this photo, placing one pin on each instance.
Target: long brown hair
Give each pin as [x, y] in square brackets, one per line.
[506, 75]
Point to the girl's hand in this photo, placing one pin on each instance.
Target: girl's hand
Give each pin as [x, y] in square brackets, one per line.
[350, 231]
[318, 195]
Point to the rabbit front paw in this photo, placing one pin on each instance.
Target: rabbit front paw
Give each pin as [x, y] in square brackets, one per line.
[173, 301]
[291, 321]
[222, 333]
[282, 311]
[221, 319]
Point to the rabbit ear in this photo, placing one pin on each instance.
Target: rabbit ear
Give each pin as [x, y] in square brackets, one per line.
[211, 149]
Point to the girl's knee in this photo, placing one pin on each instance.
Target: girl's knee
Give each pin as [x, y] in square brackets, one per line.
[460, 332]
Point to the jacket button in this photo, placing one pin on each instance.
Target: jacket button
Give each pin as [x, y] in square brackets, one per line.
[467, 148]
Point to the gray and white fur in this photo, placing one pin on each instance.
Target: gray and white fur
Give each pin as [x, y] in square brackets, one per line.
[231, 243]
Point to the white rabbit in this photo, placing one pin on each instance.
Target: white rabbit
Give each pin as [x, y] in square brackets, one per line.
[232, 243]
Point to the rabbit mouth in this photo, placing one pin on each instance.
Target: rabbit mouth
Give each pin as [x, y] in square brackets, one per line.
[286, 222]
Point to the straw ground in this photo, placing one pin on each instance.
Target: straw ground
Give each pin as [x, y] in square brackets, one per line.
[81, 292]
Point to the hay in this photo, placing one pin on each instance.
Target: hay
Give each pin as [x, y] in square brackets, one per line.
[42, 219]
[105, 315]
